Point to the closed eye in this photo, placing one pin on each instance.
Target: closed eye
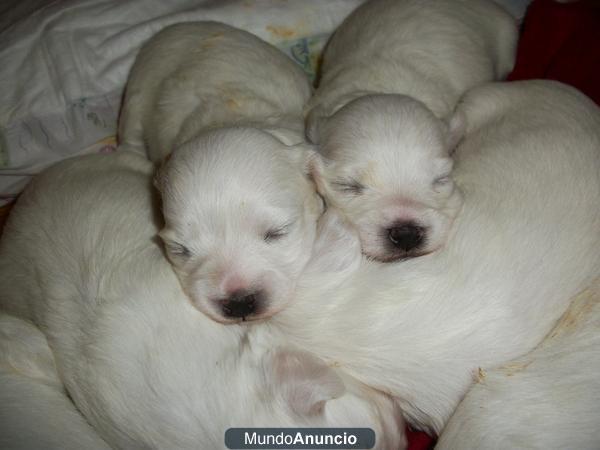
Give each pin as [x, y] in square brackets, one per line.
[348, 186]
[442, 184]
[177, 249]
[276, 233]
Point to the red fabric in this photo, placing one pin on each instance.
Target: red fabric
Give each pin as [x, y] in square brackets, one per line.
[418, 440]
[561, 41]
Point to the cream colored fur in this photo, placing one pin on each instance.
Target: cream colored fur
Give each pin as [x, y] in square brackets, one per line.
[526, 241]
[195, 76]
[81, 259]
[382, 114]
[546, 399]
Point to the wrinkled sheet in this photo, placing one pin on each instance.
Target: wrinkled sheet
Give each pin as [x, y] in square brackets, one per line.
[63, 68]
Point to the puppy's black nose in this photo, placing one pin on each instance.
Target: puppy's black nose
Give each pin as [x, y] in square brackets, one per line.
[406, 236]
[240, 304]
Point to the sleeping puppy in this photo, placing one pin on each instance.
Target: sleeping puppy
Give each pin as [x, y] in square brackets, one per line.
[388, 169]
[382, 114]
[239, 206]
[79, 258]
[239, 228]
[526, 241]
[195, 76]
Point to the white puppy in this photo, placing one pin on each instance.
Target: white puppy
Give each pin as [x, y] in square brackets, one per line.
[526, 241]
[35, 411]
[239, 228]
[195, 76]
[547, 399]
[382, 114]
[79, 257]
[388, 169]
[239, 205]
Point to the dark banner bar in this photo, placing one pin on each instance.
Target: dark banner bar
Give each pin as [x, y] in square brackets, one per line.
[300, 438]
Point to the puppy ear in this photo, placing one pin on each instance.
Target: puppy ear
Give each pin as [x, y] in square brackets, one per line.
[316, 169]
[457, 125]
[160, 177]
[314, 166]
[286, 137]
[313, 121]
[305, 381]
[318, 118]
[336, 252]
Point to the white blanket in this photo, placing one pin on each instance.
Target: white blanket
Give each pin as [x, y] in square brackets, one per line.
[63, 68]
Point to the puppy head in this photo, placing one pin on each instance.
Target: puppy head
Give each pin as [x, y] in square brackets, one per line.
[240, 214]
[387, 166]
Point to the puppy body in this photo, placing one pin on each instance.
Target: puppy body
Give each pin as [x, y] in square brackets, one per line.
[239, 206]
[382, 114]
[431, 50]
[79, 257]
[195, 76]
[546, 399]
[35, 411]
[526, 241]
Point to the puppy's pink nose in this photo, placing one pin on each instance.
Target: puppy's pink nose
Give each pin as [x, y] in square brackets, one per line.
[406, 236]
[241, 304]
[233, 283]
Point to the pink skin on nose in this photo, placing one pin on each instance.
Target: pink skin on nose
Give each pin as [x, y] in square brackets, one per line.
[401, 212]
[232, 283]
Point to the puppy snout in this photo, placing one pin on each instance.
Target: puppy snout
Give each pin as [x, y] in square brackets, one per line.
[406, 236]
[241, 304]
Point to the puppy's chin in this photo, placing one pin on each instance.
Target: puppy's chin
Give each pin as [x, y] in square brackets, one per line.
[391, 257]
[236, 320]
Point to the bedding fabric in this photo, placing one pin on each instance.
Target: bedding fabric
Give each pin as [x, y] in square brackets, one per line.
[63, 67]
[561, 41]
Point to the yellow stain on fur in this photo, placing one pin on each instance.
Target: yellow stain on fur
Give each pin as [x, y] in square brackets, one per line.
[511, 368]
[580, 307]
[281, 32]
[212, 40]
[480, 375]
[232, 104]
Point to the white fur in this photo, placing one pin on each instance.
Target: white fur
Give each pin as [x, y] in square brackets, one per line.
[239, 206]
[35, 411]
[195, 76]
[397, 148]
[526, 241]
[238, 224]
[431, 50]
[547, 399]
[387, 166]
[79, 257]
